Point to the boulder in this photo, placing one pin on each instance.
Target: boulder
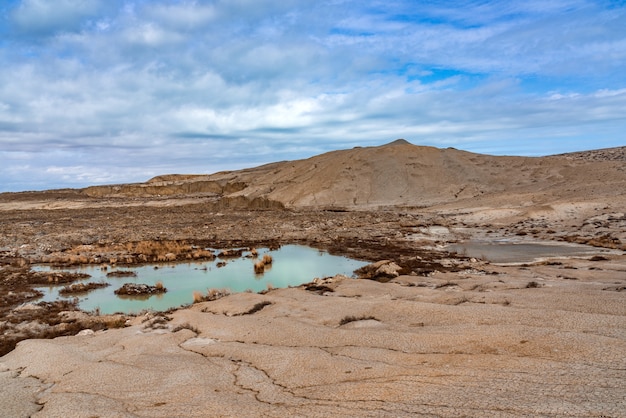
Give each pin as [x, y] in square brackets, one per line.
[139, 289]
[381, 271]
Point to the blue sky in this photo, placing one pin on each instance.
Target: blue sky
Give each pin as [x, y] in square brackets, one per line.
[113, 91]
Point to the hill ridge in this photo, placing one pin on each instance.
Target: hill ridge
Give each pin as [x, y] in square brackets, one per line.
[602, 154]
[395, 174]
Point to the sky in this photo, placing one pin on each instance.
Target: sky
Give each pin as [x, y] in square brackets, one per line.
[118, 91]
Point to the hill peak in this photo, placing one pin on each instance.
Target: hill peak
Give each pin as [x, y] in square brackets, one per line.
[400, 141]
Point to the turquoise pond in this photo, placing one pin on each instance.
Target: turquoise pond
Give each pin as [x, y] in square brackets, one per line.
[293, 265]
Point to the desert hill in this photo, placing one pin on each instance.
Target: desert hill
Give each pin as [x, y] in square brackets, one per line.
[399, 174]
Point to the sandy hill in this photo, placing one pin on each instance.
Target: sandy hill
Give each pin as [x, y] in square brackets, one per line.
[400, 174]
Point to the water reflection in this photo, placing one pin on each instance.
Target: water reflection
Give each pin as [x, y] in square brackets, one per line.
[292, 265]
[516, 252]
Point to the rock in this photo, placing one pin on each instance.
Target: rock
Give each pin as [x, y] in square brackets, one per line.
[381, 270]
[28, 307]
[390, 270]
[139, 289]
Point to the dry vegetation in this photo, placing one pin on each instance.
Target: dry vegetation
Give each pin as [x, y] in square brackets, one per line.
[261, 266]
[211, 295]
[130, 253]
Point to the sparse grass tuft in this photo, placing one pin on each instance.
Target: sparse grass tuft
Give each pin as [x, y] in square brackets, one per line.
[211, 295]
[445, 284]
[265, 264]
[215, 294]
[157, 322]
[256, 308]
[197, 296]
[186, 325]
[259, 267]
[347, 319]
[159, 285]
[119, 322]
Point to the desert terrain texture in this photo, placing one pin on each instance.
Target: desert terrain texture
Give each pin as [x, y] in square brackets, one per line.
[496, 286]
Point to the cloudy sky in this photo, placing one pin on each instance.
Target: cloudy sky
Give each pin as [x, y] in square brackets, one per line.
[113, 91]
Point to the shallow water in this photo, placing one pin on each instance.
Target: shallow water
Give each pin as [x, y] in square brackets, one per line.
[513, 252]
[292, 265]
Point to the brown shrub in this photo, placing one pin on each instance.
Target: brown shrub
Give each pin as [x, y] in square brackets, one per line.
[197, 296]
[259, 267]
[347, 319]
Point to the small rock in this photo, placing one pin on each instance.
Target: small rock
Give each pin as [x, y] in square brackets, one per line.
[139, 289]
[28, 307]
[390, 269]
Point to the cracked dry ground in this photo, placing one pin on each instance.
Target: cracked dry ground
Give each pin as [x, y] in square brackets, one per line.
[478, 342]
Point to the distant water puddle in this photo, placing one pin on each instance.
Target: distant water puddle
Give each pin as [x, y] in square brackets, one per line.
[512, 252]
[292, 265]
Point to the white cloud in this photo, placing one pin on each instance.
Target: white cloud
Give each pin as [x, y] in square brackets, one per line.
[151, 35]
[184, 15]
[126, 90]
[41, 17]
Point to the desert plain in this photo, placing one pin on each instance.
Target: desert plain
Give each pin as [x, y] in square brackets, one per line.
[497, 287]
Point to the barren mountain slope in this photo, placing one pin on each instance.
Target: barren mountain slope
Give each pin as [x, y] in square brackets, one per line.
[404, 174]
[400, 174]
[604, 154]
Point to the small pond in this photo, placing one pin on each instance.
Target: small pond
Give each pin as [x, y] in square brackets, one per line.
[292, 265]
[523, 252]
